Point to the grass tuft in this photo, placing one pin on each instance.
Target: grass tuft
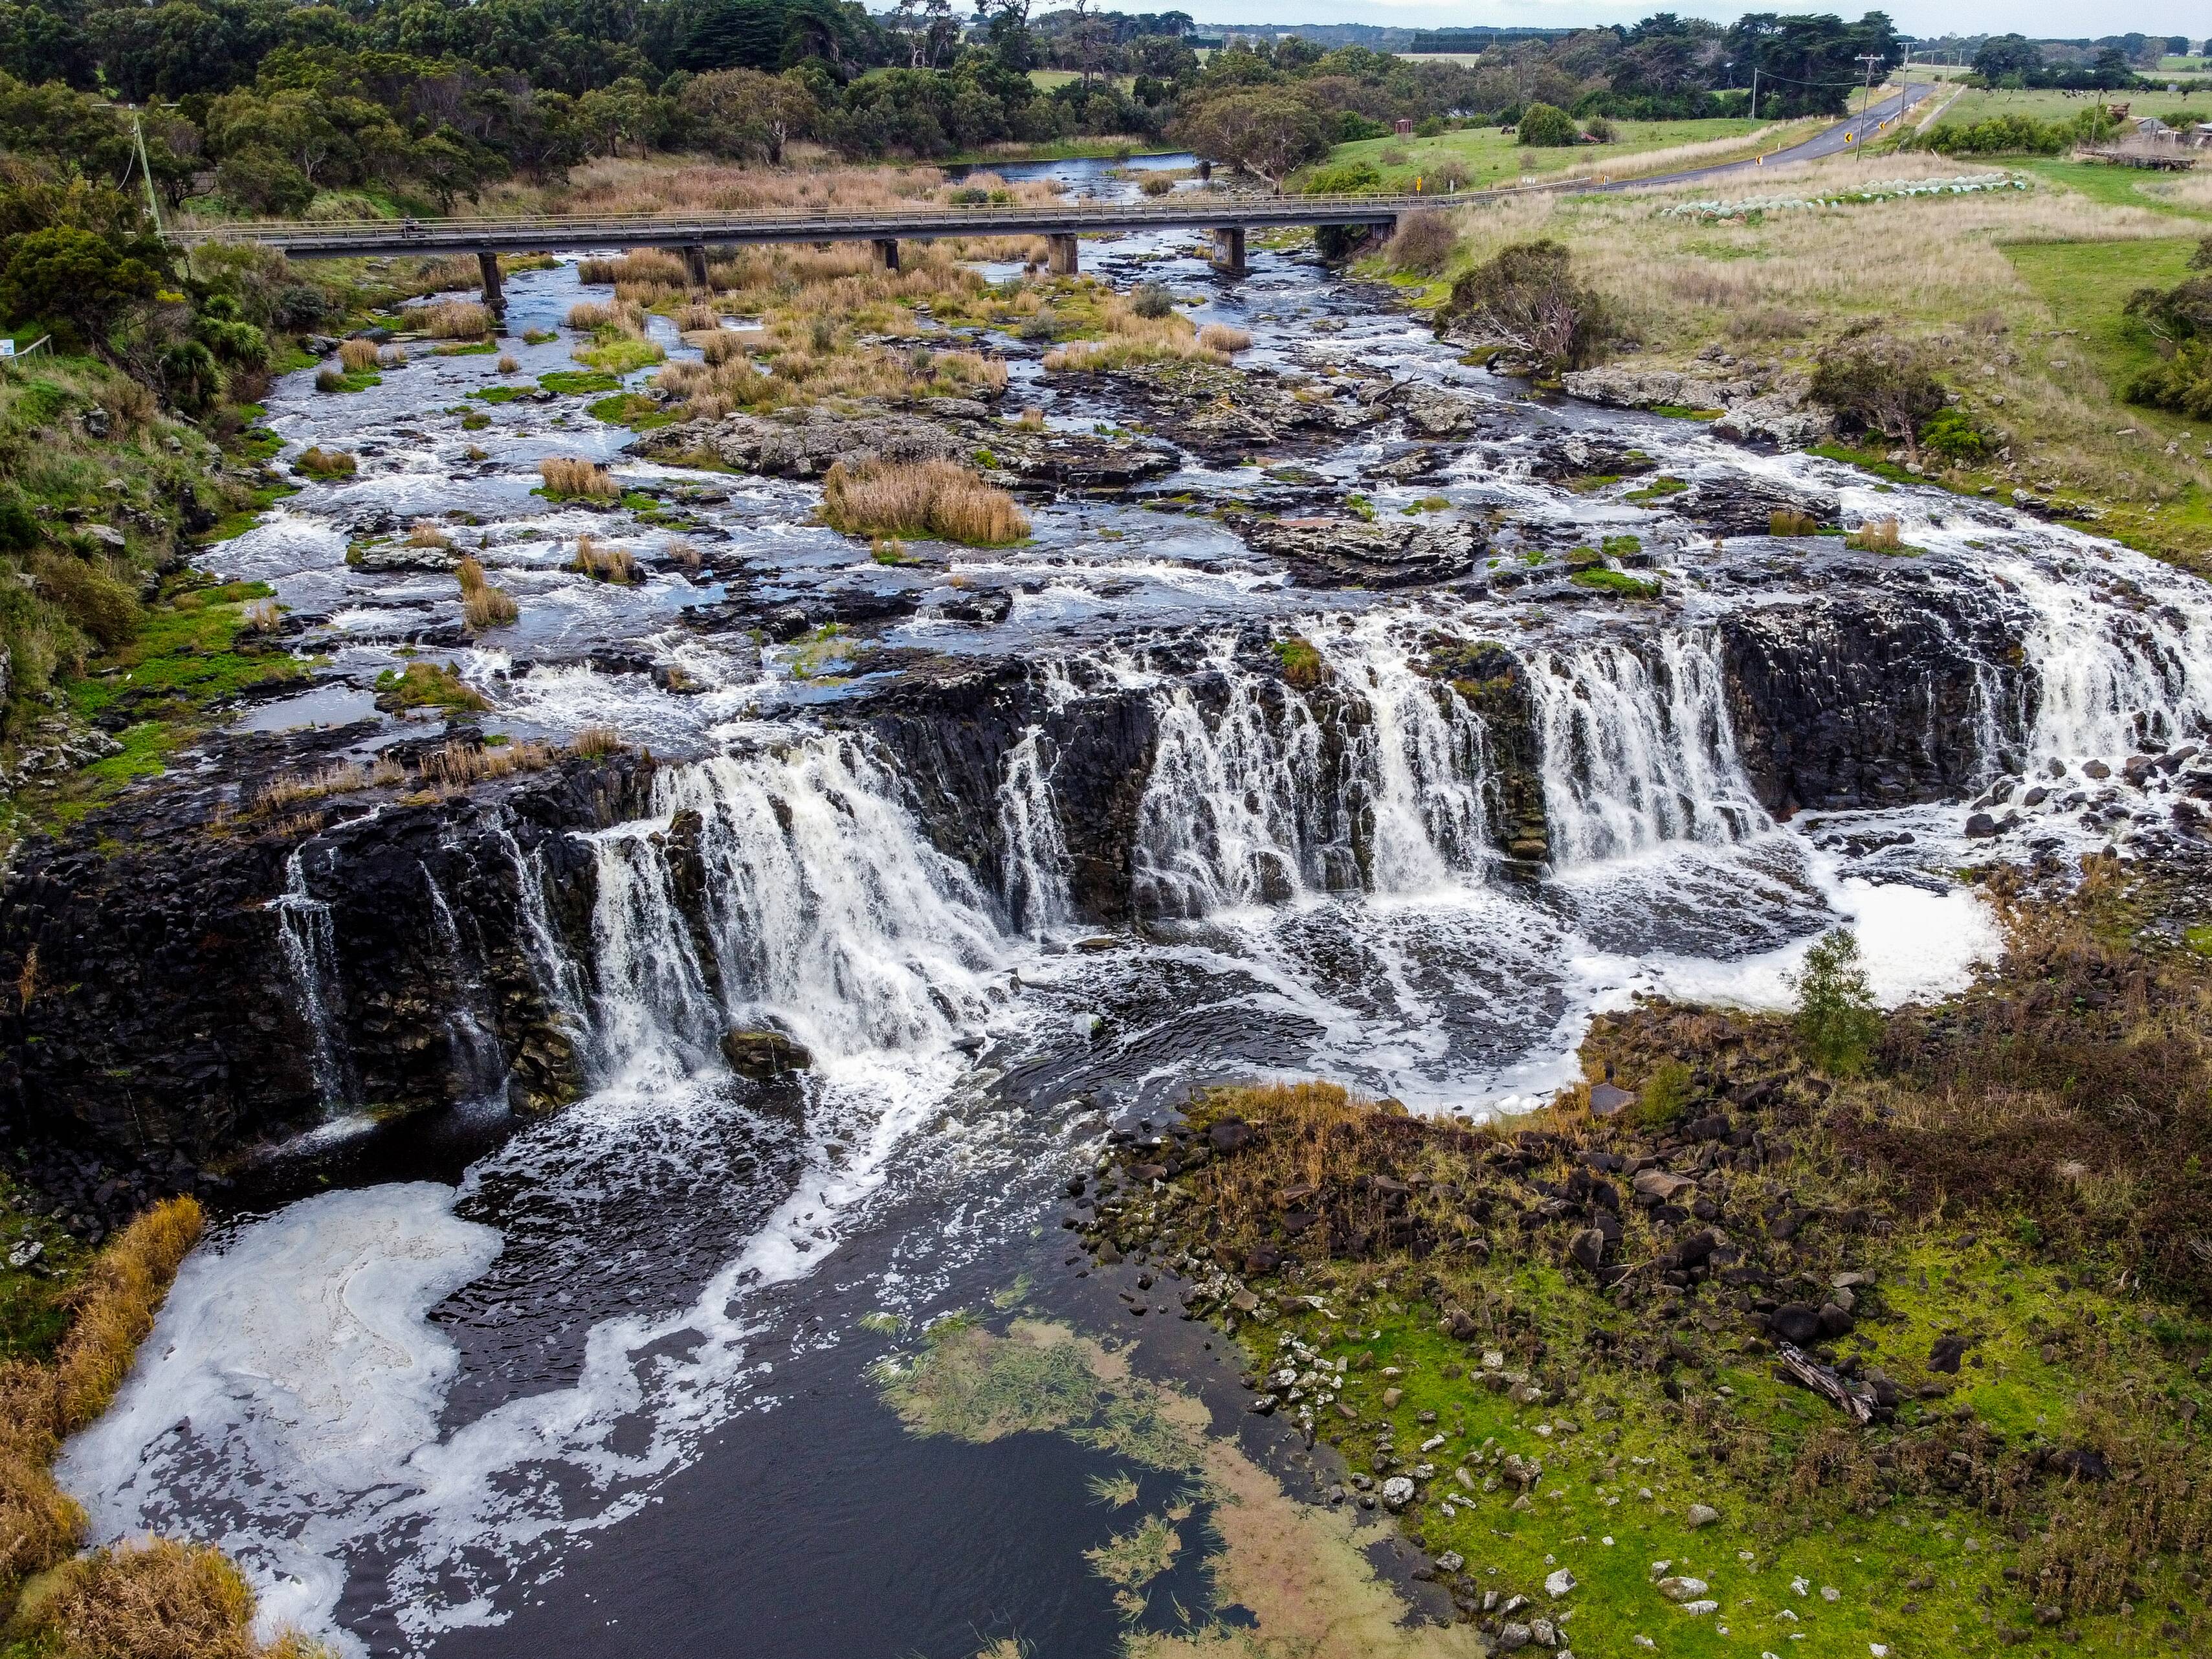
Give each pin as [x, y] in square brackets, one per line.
[924, 498]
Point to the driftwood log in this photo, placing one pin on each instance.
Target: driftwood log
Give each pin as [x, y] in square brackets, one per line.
[1825, 1380]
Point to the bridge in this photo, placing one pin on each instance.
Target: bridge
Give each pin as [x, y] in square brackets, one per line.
[1226, 217]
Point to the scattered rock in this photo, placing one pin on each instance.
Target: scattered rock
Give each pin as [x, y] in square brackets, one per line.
[1558, 1583]
[764, 1055]
[1703, 1515]
[1397, 1493]
[1609, 1100]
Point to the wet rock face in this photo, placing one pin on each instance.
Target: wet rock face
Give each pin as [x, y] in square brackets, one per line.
[806, 444]
[167, 1019]
[1867, 699]
[1350, 552]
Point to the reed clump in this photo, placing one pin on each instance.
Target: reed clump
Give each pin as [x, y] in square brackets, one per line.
[1789, 522]
[289, 789]
[1221, 337]
[588, 314]
[457, 765]
[655, 266]
[358, 355]
[427, 533]
[591, 742]
[484, 606]
[1129, 338]
[1877, 536]
[923, 498]
[566, 476]
[615, 566]
[327, 463]
[451, 319]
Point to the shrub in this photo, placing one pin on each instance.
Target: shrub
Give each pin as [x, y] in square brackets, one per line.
[1880, 386]
[1601, 130]
[358, 355]
[1149, 300]
[1548, 127]
[615, 566]
[1527, 302]
[1219, 337]
[925, 498]
[104, 607]
[566, 477]
[1156, 184]
[1665, 1093]
[1344, 179]
[508, 365]
[1955, 437]
[1423, 243]
[327, 463]
[588, 314]
[1838, 1021]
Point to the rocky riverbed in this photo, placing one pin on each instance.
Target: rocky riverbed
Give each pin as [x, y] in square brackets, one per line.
[713, 958]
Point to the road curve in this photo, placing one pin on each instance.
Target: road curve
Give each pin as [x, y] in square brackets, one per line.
[1841, 136]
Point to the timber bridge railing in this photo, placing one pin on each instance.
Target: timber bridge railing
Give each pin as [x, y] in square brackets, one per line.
[1227, 217]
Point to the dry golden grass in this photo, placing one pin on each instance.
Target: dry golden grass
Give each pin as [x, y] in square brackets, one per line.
[340, 778]
[40, 1405]
[644, 265]
[567, 476]
[508, 365]
[457, 765]
[926, 498]
[614, 565]
[1877, 536]
[1219, 337]
[588, 314]
[683, 553]
[591, 742]
[357, 355]
[327, 463]
[262, 616]
[160, 1600]
[450, 320]
[392, 356]
[1132, 339]
[690, 318]
[484, 606]
[665, 184]
[427, 532]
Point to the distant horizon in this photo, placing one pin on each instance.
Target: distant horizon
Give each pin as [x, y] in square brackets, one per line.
[2044, 18]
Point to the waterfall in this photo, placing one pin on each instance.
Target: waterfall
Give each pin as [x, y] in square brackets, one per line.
[817, 907]
[1638, 753]
[303, 929]
[1373, 779]
[472, 1028]
[554, 972]
[1035, 884]
[2112, 680]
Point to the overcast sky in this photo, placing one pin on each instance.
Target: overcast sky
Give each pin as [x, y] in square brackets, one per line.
[2052, 18]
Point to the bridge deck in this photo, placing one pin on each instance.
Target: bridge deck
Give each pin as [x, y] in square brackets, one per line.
[339, 238]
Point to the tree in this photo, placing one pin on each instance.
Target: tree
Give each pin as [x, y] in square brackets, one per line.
[1838, 1021]
[74, 278]
[1526, 303]
[1880, 386]
[1269, 130]
[1552, 129]
[2007, 54]
[744, 111]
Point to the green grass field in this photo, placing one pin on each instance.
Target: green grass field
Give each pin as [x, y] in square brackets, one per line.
[2087, 285]
[2112, 186]
[1487, 157]
[1976, 104]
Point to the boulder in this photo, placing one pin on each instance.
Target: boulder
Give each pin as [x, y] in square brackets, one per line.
[1587, 1249]
[764, 1055]
[1609, 1100]
[1795, 1321]
[1620, 387]
[1682, 1589]
[1558, 1583]
[807, 443]
[1433, 412]
[1662, 1186]
[1777, 420]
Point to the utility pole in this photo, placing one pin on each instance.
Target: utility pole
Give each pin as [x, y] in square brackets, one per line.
[1755, 90]
[146, 172]
[1869, 58]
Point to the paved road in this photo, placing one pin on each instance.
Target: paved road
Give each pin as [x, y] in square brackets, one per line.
[1841, 136]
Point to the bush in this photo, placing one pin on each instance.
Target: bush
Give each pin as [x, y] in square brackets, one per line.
[1219, 337]
[1526, 303]
[260, 181]
[1601, 129]
[1149, 300]
[1156, 184]
[1423, 243]
[1548, 127]
[327, 463]
[615, 566]
[1879, 385]
[1956, 438]
[1344, 179]
[1666, 1092]
[1838, 1021]
[2183, 383]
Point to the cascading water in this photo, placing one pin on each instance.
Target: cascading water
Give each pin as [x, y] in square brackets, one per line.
[819, 908]
[471, 1026]
[303, 928]
[1636, 753]
[2112, 678]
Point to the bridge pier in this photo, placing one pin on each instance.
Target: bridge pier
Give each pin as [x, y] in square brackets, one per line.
[887, 252]
[1228, 250]
[1062, 252]
[494, 297]
[694, 265]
